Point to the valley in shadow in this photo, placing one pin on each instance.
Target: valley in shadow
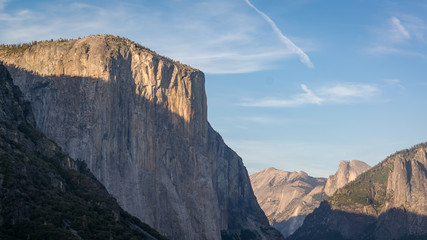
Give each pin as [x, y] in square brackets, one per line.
[328, 224]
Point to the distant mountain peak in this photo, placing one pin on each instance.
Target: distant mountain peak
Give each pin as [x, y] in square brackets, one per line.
[347, 172]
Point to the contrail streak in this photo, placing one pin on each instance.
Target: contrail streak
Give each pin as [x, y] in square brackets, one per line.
[294, 48]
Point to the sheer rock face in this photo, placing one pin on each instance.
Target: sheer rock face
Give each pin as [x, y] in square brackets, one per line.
[139, 120]
[347, 172]
[43, 192]
[389, 201]
[288, 197]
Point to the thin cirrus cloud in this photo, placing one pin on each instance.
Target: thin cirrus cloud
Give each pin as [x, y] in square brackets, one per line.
[216, 36]
[341, 93]
[398, 31]
[45, 22]
[399, 36]
[295, 49]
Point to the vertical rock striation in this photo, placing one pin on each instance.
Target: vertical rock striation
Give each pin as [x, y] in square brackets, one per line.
[44, 194]
[139, 121]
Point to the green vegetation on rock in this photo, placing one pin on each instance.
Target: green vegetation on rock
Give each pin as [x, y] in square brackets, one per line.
[116, 43]
[44, 194]
[368, 189]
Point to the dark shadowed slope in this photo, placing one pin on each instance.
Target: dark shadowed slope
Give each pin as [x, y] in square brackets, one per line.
[44, 194]
[389, 201]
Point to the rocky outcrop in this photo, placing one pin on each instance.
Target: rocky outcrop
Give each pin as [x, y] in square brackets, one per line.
[288, 197]
[44, 194]
[389, 201]
[347, 172]
[139, 121]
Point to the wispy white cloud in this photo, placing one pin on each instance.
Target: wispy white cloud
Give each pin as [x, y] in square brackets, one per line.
[400, 36]
[216, 36]
[58, 21]
[295, 49]
[397, 31]
[340, 93]
[308, 97]
[18, 16]
[348, 92]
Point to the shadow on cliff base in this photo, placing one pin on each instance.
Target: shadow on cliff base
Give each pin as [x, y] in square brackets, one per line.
[66, 92]
[395, 224]
[44, 194]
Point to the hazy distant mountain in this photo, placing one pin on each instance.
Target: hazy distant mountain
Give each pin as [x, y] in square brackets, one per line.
[288, 197]
[389, 201]
[139, 121]
[44, 194]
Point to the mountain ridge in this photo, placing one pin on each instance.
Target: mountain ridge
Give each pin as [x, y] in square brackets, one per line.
[288, 197]
[386, 202]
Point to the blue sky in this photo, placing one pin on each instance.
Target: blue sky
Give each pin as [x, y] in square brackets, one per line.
[296, 85]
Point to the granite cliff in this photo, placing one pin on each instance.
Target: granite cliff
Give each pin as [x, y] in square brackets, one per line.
[139, 121]
[44, 194]
[288, 197]
[347, 172]
[389, 201]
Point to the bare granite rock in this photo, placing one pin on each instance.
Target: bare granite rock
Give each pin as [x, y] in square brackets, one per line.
[347, 172]
[288, 197]
[45, 194]
[139, 121]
